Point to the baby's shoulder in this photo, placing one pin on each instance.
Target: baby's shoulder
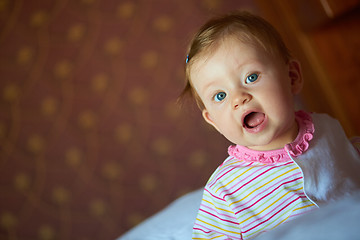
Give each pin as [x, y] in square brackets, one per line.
[229, 170]
[324, 120]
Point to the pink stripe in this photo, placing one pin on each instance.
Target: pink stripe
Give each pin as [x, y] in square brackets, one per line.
[214, 210]
[231, 169]
[298, 214]
[225, 173]
[279, 181]
[224, 168]
[266, 195]
[212, 195]
[201, 230]
[252, 179]
[224, 220]
[212, 230]
[243, 180]
[279, 205]
[271, 216]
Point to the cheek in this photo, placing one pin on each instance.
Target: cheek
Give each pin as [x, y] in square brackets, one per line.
[281, 91]
[227, 124]
[278, 100]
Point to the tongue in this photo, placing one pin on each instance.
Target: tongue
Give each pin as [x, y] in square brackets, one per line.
[254, 119]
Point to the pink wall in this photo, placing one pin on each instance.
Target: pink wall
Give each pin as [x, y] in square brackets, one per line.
[91, 141]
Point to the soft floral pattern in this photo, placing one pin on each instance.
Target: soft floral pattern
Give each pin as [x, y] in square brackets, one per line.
[296, 148]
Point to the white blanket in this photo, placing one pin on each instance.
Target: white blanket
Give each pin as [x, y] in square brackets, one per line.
[175, 222]
[339, 220]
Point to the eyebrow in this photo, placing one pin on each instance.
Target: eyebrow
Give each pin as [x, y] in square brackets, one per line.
[208, 85]
[239, 67]
[206, 90]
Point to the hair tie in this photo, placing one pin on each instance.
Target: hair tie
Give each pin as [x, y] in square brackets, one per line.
[187, 59]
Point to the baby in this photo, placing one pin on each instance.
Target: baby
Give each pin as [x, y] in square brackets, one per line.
[284, 163]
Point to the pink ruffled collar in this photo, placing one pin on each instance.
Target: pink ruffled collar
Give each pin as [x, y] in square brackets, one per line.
[296, 148]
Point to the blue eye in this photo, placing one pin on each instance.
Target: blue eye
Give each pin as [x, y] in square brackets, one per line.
[251, 78]
[220, 96]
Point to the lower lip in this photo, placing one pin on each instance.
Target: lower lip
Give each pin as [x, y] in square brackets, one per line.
[259, 127]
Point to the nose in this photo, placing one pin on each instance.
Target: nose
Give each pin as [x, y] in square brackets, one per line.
[241, 98]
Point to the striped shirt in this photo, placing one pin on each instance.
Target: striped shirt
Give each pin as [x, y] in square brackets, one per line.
[243, 199]
[247, 196]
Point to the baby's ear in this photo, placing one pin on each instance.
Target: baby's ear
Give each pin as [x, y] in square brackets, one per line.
[208, 119]
[295, 76]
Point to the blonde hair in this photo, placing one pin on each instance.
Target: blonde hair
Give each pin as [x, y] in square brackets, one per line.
[246, 27]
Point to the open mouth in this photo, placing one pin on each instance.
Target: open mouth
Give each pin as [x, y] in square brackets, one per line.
[253, 120]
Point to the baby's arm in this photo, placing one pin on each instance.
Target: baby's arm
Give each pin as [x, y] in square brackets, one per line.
[215, 219]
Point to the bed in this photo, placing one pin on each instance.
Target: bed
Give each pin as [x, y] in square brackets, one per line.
[338, 220]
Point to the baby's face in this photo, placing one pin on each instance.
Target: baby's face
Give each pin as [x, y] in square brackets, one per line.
[248, 94]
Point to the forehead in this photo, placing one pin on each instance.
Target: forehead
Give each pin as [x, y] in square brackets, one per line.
[227, 52]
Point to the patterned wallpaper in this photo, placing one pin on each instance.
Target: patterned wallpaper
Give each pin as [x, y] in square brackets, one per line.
[91, 140]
